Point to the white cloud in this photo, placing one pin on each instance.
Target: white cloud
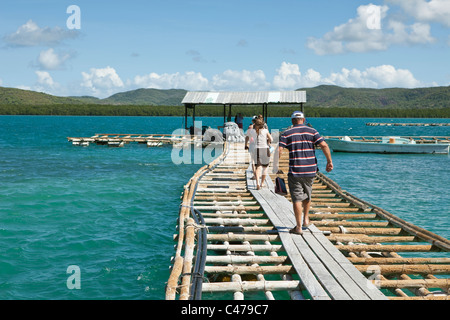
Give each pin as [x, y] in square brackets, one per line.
[45, 83]
[228, 80]
[289, 77]
[30, 34]
[388, 76]
[102, 81]
[240, 80]
[364, 33]
[44, 78]
[189, 80]
[437, 11]
[416, 33]
[50, 60]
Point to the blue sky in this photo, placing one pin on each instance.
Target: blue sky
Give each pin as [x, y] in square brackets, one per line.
[222, 45]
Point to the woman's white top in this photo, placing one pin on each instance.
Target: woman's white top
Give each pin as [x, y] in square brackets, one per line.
[257, 140]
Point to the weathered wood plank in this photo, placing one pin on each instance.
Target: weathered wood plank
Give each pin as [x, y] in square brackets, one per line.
[316, 266]
[342, 271]
[370, 290]
[308, 279]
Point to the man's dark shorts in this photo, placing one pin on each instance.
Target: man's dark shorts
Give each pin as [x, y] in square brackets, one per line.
[300, 188]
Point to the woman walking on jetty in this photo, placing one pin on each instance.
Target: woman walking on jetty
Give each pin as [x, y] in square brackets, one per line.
[260, 154]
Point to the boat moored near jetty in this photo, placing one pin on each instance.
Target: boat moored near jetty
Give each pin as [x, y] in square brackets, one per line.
[388, 145]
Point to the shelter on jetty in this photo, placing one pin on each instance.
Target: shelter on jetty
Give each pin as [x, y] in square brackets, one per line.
[228, 99]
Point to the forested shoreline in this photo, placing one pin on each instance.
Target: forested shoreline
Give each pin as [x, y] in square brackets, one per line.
[217, 111]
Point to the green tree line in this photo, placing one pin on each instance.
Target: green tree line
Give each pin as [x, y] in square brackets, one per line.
[216, 111]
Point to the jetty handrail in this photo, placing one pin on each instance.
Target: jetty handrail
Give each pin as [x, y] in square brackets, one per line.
[187, 235]
[200, 260]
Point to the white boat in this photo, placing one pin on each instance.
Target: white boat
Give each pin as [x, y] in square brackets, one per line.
[387, 145]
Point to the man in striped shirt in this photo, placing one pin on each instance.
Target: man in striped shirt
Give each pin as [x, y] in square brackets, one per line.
[300, 141]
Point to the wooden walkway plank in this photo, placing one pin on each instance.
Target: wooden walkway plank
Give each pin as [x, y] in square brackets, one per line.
[313, 262]
[307, 277]
[332, 269]
[349, 268]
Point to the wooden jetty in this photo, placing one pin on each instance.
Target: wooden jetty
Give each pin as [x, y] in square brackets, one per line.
[233, 243]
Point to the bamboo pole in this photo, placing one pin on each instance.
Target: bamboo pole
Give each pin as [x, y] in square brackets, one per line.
[238, 259]
[371, 231]
[366, 239]
[406, 269]
[252, 222]
[242, 237]
[340, 216]
[188, 257]
[326, 223]
[225, 214]
[238, 294]
[393, 248]
[251, 286]
[234, 248]
[250, 269]
[376, 261]
[415, 283]
[230, 207]
[429, 297]
[172, 283]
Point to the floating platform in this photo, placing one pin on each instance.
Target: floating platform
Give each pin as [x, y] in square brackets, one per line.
[233, 243]
[151, 140]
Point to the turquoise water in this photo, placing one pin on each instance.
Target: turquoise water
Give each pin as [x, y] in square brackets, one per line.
[112, 211]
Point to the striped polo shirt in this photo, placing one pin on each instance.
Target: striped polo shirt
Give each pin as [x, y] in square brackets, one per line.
[300, 141]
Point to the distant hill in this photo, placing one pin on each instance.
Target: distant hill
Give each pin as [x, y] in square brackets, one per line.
[324, 96]
[393, 98]
[154, 97]
[13, 96]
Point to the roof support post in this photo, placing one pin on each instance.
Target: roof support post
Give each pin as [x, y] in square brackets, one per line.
[186, 107]
[224, 113]
[185, 116]
[264, 114]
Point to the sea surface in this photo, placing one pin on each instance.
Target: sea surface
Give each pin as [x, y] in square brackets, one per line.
[97, 222]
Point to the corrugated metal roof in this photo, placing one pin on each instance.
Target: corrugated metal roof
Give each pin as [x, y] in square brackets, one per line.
[255, 97]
